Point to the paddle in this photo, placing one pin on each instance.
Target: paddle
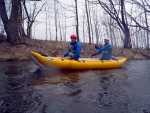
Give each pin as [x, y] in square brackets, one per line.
[44, 54]
[114, 58]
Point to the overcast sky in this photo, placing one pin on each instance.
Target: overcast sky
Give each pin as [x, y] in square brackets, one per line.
[39, 31]
[64, 9]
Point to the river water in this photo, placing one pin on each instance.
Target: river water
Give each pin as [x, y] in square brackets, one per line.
[25, 88]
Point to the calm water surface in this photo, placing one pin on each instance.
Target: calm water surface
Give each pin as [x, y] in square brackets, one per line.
[24, 88]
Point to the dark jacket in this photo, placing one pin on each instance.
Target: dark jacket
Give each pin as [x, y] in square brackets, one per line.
[106, 51]
[75, 49]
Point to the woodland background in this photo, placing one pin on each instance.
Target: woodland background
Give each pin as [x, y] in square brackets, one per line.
[124, 22]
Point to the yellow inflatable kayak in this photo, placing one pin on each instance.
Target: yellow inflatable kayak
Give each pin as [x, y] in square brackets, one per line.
[81, 64]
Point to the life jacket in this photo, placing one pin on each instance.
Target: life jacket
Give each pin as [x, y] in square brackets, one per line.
[71, 52]
[108, 51]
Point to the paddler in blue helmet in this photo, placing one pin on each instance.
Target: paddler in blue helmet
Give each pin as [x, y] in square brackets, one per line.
[106, 50]
[75, 48]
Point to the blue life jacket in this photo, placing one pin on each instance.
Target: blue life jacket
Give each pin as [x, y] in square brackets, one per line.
[74, 51]
[106, 51]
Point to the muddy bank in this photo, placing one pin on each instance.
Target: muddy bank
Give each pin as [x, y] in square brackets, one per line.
[52, 48]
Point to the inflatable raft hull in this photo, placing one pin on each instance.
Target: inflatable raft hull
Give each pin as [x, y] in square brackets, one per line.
[81, 64]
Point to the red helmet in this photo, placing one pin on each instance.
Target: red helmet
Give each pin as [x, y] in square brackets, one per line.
[73, 36]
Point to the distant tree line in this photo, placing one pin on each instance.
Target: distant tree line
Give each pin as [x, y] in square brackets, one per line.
[125, 22]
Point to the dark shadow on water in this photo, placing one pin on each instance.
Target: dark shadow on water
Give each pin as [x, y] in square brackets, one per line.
[26, 88]
[12, 70]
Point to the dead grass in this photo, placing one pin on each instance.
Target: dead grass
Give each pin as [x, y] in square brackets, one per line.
[52, 48]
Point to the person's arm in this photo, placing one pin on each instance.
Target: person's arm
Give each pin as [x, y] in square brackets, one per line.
[98, 52]
[105, 47]
[78, 50]
[66, 54]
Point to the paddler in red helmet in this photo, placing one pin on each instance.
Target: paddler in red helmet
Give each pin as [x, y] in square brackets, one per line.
[74, 49]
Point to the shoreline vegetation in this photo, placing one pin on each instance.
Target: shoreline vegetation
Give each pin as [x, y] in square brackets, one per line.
[57, 49]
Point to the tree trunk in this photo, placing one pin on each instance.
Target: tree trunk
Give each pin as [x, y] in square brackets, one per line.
[11, 25]
[20, 23]
[13, 22]
[55, 18]
[29, 29]
[147, 26]
[87, 14]
[120, 19]
[127, 41]
[83, 28]
[4, 17]
[77, 23]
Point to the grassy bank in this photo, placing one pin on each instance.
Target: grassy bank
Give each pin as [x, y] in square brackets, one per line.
[52, 48]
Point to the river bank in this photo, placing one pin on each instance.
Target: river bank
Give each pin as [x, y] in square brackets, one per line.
[53, 48]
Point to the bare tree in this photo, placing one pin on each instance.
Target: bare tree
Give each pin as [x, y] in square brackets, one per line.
[77, 20]
[31, 20]
[146, 22]
[96, 24]
[56, 12]
[88, 21]
[120, 19]
[11, 24]
[83, 28]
